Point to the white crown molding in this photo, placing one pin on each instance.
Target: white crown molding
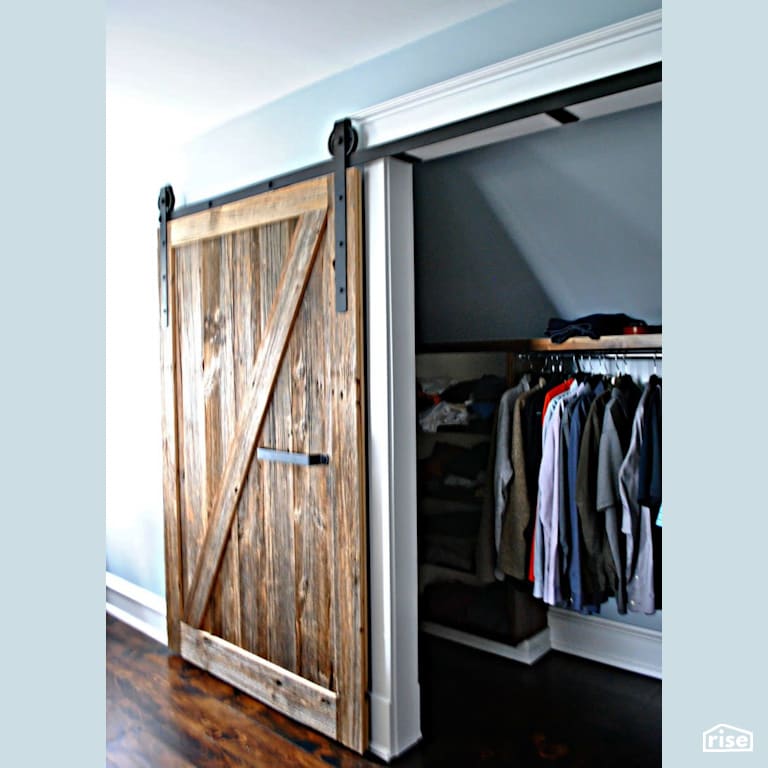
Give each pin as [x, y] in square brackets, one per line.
[603, 52]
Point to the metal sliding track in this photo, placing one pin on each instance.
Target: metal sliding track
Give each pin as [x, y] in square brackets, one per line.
[551, 102]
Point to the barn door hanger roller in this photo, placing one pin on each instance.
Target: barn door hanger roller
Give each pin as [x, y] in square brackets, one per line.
[341, 144]
[165, 203]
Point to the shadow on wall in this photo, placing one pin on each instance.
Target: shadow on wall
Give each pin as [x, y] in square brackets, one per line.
[472, 281]
[565, 222]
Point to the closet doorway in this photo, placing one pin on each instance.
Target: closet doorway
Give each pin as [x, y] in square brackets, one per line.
[560, 222]
[407, 189]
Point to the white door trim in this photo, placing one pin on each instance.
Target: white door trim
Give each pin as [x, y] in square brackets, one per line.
[395, 724]
[607, 51]
[394, 672]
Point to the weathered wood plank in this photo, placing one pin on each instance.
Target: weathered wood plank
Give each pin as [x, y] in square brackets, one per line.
[348, 458]
[171, 507]
[272, 346]
[276, 365]
[248, 307]
[278, 205]
[275, 241]
[193, 473]
[311, 507]
[211, 390]
[285, 691]
[271, 266]
[220, 416]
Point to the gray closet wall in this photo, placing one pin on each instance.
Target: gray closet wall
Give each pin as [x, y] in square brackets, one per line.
[565, 222]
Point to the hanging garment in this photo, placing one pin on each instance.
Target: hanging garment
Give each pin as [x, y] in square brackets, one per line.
[530, 419]
[564, 553]
[503, 471]
[614, 443]
[536, 572]
[638, 517]
[515, 543]
[636, 521]
[595, 585]
[578, 420]
[561, 541]
[649, 481]
[548, 510]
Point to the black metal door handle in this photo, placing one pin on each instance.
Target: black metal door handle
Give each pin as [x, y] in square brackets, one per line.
[289, 457]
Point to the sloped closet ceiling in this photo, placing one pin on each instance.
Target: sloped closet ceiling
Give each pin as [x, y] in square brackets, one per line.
[565, 222]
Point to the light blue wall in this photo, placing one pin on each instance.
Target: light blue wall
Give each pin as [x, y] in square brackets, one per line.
[292, 132]
[283, 136]
[563, 223]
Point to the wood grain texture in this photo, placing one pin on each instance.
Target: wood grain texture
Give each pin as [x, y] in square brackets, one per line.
[279, 576]
[348, 493]
[248, 308]
[628, 342]
[220, 416]
[159, 707]
[271, 348]
[272, 258]
[311, 509]
[171, 507]
[193, 490]
[278, 205]
[271, 683]
[273, 555]
[163, 711]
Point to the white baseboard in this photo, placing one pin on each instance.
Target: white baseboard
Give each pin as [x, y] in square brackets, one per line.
[611, 642]
[625, 646]
[387, 741]
[137, 607]
[380, 718]
[527, 651]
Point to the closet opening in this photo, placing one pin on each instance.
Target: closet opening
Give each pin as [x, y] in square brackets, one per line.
[537, 265]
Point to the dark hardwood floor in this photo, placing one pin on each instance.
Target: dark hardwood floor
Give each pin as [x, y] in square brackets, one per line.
[477, 710]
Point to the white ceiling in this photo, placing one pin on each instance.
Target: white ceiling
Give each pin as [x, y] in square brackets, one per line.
[189, 65]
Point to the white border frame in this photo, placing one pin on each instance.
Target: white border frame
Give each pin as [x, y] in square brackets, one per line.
[395, 715]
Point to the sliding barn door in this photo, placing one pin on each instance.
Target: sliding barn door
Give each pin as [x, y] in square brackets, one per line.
[264, 454]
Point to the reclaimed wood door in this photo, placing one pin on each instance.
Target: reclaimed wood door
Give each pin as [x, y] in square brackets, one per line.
[265, 555]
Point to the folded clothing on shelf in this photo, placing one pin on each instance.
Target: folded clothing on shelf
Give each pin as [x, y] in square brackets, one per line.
[594, 326]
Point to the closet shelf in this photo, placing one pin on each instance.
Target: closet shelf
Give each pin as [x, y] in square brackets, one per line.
[626, 342]
[482, 428]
